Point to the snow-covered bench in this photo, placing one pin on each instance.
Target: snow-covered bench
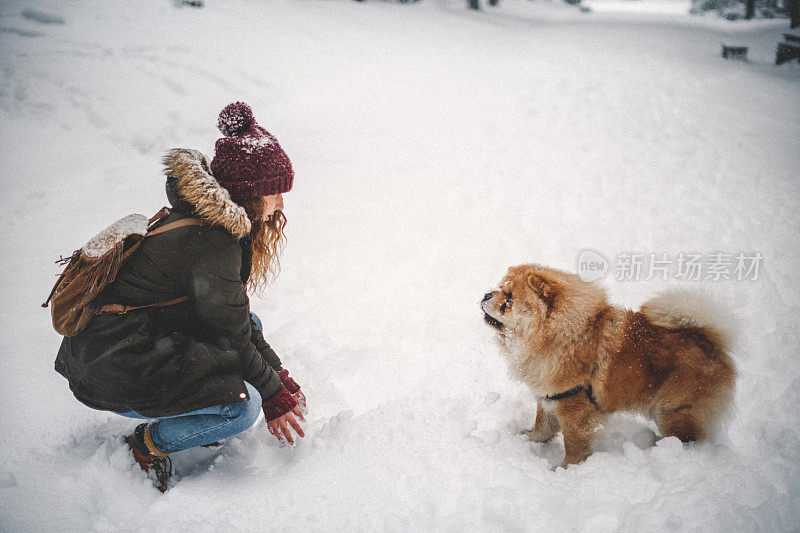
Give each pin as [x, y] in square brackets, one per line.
[789, 49]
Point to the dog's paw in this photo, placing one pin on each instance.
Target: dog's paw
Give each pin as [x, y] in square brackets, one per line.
[538, 436]
[574, 459]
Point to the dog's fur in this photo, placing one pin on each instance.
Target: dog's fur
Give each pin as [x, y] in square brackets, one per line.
[669, 360]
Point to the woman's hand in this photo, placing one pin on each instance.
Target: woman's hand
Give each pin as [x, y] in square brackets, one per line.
[280, 411]
[301, 401]
[294, 389]
[280, 426]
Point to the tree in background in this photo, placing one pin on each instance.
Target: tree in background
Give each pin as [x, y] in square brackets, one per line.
[793, 7]
[748, 9]
[474, 4]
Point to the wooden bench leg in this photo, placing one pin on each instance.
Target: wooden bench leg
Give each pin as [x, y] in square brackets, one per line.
[786, 53]
[781, 54]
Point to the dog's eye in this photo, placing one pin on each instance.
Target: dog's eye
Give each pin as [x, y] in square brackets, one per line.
[506, 303]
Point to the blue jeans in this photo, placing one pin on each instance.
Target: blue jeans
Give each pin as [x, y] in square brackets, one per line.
[195, 428]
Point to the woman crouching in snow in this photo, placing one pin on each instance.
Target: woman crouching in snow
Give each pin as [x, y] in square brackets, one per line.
[200, 367]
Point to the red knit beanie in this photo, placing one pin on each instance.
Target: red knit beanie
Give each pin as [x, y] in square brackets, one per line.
[248, 161]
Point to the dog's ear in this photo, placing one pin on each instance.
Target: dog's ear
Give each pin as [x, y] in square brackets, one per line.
[546, 291]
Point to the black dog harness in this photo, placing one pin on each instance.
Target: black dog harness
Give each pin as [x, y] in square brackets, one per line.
[572, 392]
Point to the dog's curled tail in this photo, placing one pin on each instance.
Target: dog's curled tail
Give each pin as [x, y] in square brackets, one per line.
[685, 308]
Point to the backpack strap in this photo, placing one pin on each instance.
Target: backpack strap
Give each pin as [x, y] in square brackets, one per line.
[163, 212]
[174, 225]
[166, 227]
[119, 309]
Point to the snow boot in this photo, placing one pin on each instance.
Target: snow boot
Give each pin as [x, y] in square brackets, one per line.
[148, 457]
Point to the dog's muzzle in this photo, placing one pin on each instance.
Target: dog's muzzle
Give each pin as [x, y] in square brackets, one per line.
[488, 318]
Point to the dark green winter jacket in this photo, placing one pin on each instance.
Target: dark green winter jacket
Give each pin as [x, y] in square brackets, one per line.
[172, 360]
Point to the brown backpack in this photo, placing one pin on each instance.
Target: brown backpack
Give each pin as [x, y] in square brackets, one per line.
[92, 267]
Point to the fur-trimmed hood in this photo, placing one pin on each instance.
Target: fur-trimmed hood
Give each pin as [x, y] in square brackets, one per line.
[189, 176]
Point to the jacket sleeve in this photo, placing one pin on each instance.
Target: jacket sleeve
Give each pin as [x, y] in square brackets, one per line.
[269, 355]
[215, 287]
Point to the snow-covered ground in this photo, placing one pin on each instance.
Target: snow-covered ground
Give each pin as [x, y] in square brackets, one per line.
[660, 7]
[433, 148]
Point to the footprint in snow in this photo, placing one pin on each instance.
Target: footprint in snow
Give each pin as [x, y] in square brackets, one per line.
[20, 32]
[42, 17]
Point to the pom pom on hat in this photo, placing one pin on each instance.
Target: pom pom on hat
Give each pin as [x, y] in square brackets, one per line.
[235, 119]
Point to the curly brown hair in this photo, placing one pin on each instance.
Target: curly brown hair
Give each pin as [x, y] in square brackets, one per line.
[267, 242]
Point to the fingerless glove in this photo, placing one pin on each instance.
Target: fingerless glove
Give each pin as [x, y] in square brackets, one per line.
[290, 384]
[278, 405]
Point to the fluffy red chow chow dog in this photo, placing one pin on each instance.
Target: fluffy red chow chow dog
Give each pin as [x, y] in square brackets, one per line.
[585, 359]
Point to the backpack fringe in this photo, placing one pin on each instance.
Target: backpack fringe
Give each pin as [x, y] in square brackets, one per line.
[93, 267]
[81, 281]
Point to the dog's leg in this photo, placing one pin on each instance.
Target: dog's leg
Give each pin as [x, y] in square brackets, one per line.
[545, 427]
[691, 404]
[682, 423]
[579, 420]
